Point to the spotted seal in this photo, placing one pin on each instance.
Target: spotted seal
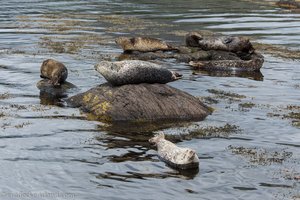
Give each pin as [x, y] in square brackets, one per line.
[135, 72]
[143, 44]
[55, 71]
[178, 157]
[223, 43]
[253, 64]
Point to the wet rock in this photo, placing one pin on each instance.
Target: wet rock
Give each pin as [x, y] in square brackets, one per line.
[254, 64]
[53, 95]
[177, 157]
[187, 56]
[139, 102]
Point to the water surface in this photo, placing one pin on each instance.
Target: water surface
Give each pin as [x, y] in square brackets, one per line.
[49, 148]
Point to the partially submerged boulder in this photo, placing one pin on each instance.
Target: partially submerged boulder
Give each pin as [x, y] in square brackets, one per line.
[139, 103]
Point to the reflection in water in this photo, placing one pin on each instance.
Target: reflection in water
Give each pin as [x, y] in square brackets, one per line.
[257, 76]
[53, 95]
[75, 155]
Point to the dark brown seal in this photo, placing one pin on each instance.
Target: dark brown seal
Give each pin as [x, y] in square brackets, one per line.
[143, 44]
[223, 43]
[55, 71]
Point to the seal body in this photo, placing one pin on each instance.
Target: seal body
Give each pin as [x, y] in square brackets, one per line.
[55, 71]
[135, 72]
[254, 64]
[143, 44]
[223, 43]
[288, 4]
[178, 157]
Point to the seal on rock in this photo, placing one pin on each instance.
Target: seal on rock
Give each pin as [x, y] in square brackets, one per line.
[55, 71]
[254, 64]
[178, 157]
[135, 72]
[223, 43]
[143, 44]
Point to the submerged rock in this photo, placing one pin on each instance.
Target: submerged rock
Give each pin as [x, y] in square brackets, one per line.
[177, 157]
[53, 95]
[139, 102]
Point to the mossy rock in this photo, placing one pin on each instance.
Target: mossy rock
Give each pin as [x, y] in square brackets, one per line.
[139, 103]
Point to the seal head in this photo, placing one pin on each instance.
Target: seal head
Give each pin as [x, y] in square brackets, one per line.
[55, 71]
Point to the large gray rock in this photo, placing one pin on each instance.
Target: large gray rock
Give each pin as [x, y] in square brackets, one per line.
[139, 103]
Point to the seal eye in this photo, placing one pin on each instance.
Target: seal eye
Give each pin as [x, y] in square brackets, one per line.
[227, 40]
[132, 40]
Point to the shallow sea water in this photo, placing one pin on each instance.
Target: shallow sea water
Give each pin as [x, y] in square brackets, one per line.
[54, 150]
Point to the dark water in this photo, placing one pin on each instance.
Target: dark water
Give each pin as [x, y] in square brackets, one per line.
[46, 149]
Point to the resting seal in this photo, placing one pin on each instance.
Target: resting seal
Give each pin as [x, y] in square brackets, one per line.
[134, 72]
[55, 71]
[143, 44]
[254, 64]
[223, 43]
[178, 157]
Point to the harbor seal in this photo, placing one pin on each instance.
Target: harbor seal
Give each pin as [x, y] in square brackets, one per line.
[254, 64]
[135, 72]
[55, 71]
[143, 44]
[223, 43]
[178, 157]
[288, 4]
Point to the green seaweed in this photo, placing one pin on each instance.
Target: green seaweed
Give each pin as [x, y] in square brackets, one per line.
[261, 156]
[207, 132]
[5, 96]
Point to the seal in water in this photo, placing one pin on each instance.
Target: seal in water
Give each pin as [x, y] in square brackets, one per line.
[55, 71]
[143, 44]
[135, 72]
[224, 43]
[254, 64]
[178, 157]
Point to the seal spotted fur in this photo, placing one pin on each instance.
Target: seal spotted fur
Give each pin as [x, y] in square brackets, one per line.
[223, 43]
[55, 71]
[135, 72]
[254, 64]
[178, 157]
[143, 44]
